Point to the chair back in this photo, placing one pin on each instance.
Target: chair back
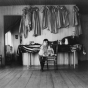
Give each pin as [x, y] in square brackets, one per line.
[54, 45]
[0, 57]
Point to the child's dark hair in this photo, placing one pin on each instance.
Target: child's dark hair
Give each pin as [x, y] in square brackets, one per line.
[45, 40]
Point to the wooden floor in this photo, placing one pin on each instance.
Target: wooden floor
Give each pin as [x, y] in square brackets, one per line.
[21, 77]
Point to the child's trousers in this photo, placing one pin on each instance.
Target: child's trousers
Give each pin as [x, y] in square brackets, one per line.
[42, 61]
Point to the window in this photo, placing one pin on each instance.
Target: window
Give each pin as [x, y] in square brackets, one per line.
[8, 38]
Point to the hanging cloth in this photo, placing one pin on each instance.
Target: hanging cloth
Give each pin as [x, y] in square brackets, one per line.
[58, 17]
[75, 15]
[36, 22]
[45, 18]
[25, 24]
[78, 29]
[22, 26]
[28, 21]
[52, 24]
[64, 16]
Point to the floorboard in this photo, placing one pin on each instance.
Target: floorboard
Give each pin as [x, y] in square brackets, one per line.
[21, 77]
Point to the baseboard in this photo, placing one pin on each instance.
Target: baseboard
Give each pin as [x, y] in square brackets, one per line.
[52, 66]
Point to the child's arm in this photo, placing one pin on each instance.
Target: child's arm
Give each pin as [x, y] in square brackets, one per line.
[52, 52]
[41, 52]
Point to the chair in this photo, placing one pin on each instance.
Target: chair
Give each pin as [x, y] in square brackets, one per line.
[53, 58]
[1, 59]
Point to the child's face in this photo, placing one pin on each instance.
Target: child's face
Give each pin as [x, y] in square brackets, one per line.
[45, 43]
[49, 47]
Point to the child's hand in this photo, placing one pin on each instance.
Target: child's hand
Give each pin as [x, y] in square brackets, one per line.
[45, 54]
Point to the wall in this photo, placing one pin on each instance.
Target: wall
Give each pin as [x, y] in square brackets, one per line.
[46, 34]
[84, 36]
[62, 58]
[17, 10]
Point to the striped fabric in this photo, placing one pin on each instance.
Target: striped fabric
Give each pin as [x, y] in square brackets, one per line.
[28, 48]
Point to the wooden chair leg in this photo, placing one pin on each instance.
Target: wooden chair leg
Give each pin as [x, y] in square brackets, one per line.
[56, 65]
[47, 64]
[1, 62]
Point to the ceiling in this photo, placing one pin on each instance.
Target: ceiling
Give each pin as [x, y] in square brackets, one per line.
[33, 2]
[82, 4]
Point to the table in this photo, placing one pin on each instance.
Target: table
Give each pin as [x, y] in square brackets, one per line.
[69, 49]
[35, 48]
[29, 55]
[32, 48]
[73, 51]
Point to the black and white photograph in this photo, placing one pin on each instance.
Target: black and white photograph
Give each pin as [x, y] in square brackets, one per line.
[43, 44]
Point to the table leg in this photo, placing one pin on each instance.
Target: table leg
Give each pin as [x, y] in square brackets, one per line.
[69, 59]
[28, 62]
[74, 59]
[30, 59]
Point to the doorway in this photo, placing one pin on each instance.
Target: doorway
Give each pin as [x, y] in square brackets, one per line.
[12, 39]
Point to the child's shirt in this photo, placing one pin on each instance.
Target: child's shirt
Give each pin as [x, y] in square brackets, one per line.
[43, 51]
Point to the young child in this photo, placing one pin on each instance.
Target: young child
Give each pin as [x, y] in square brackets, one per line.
[50, 51]
[43, 52]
